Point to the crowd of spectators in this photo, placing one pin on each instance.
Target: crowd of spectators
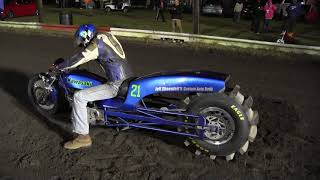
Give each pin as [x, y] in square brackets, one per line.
[263, 12]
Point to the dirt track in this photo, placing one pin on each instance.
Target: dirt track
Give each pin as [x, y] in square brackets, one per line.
[285, 91]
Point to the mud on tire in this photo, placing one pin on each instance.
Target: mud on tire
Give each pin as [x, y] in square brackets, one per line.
[232, 113]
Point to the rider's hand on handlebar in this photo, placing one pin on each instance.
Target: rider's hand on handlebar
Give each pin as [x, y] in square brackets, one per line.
[53, 68]
[58, 61]
[58, 64]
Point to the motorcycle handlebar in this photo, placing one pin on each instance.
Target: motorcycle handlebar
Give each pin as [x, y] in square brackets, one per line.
[54, 71]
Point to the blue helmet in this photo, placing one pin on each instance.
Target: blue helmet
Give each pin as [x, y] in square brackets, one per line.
[84, 34]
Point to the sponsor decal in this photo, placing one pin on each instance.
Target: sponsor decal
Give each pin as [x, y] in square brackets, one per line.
[239, 113]
[135, 92]
[78, 82]
[178, 88]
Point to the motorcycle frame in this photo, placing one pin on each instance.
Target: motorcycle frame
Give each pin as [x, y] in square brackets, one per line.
[149, 121]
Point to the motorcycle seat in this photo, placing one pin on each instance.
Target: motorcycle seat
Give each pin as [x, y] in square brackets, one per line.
[123, 89]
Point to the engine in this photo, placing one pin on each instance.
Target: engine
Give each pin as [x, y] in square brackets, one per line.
[95, 115]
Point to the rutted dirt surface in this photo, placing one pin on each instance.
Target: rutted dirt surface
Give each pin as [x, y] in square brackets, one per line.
[285, 91]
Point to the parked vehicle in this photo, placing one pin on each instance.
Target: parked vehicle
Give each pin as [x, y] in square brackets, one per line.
[214, 119]
[16, 8]
[117, 5]
[212, 7]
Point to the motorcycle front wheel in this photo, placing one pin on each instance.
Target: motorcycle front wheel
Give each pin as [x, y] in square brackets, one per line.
[43, 99]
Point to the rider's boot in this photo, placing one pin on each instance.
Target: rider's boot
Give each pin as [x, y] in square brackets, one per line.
[80, 141]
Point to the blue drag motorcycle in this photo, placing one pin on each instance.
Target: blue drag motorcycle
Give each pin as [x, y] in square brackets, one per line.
[214, 119]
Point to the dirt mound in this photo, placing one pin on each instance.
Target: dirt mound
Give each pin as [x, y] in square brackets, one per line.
[279, 151]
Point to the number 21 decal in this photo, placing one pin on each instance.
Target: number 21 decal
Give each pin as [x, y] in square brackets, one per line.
[135, 92]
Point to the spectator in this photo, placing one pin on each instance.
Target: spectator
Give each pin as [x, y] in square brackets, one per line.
[88, 4]
[294, 11]
[284, 16]
[1, 10]
[312, 14]
[119, 4]
[269, 9]
[101, 4]
[92, 4]
[77, 3]
[1, 16]
[148, 2]
[176, 16]
[58, 3]
[160, 8]
[257, 16]
[237, 11]
[1, 5]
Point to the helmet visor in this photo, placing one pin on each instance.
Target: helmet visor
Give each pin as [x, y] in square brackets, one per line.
[78, 40]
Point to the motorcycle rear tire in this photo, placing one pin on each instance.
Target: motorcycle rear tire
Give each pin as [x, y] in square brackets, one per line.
[235, 109]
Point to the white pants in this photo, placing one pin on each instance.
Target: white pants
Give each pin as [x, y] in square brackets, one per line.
[80, 124]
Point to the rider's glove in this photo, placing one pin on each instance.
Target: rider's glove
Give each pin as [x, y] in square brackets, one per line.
[58, 64]
[53, 70]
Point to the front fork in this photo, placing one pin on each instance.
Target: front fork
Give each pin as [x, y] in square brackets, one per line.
[48, 90]
[49, 80]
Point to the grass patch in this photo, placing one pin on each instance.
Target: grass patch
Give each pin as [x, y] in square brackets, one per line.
[307, 34]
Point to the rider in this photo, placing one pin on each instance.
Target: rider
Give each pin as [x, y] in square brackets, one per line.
[105, 48]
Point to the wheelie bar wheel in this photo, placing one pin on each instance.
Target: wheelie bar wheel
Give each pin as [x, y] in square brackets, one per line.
[231, 122]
